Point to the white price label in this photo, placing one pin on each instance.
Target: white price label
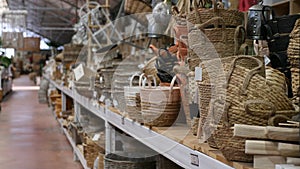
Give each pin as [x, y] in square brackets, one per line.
[195, 160]
[102, 98]
[79, 72]
[96, 137]
[115, 102]
[198, 73]
[266, 60]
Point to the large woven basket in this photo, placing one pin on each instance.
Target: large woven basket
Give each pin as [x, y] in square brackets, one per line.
[160, 105]
[231, 17]
[249, 100]
[114, 161]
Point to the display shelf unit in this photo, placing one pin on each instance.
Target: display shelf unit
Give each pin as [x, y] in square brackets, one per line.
[173, 149]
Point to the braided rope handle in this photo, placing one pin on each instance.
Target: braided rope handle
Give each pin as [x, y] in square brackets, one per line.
[248, 77]
[262, 113]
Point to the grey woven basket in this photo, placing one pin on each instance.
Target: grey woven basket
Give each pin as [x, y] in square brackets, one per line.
[114, 161]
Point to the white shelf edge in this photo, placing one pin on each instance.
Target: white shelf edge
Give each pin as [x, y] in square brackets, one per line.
[179, 153]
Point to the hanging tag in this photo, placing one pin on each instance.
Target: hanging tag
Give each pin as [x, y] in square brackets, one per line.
[78, 72]
[96, 137]
[198, 73]
[266, 60]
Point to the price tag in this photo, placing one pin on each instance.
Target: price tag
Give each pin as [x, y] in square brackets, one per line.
[96, 137]
[266, 60]
[198, 73]
[102, 98]
[115, 102]
[79, 72]
[195, 160]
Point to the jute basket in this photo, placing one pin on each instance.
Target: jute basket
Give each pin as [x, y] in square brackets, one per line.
[150, 69]
[160, 105]
[249, 100]
[232, 18]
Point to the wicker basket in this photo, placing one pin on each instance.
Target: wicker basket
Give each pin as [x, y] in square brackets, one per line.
[150, 69]
[249, 100]
[232, 18]
[133, 99]
[91, 150]
[160, 105]
[113, 161]
[136, 8]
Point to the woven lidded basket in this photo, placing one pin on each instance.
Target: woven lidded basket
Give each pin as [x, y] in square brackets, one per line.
[160, 104]
[114, 161]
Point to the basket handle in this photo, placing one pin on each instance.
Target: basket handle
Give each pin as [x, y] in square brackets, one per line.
[239, 29]
[171, 87]
[149, 82]
[244, 49]
[214, 21]
[249, 75]
[132, 77]
[263, 113]
[272, 120]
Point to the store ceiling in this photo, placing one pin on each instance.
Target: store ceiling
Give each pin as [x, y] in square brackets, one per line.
[54, 19]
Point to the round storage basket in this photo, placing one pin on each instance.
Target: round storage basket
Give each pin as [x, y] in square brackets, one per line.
[133, 99]
[114, 161]
[160, 105]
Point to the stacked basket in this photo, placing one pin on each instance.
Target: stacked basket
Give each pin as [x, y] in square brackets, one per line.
[213, 32]
[294, 58]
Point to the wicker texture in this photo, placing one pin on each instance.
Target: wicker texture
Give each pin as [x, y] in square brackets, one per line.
[294, 58]
[91, 150]
[133, 99]
[136, 7]
[232, 17]
[249, 100]
[209, 43]
[160, 105]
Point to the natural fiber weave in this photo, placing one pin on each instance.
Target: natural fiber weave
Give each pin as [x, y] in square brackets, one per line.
[276, 79]
[231, 17]
[150, 69]
[137, 7]
[249, 100]
[160, 105]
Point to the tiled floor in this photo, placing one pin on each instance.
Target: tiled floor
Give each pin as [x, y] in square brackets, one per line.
[30, 137]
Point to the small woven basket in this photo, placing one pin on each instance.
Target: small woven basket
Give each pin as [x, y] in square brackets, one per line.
[160, 105]
[133, 99]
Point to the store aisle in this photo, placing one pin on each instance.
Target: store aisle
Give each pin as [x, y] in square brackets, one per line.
[30, 137]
